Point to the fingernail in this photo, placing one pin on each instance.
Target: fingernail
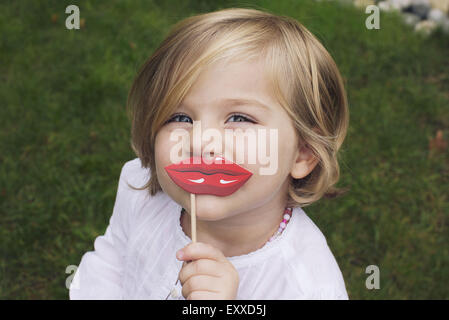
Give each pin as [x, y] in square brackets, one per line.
[179, 254]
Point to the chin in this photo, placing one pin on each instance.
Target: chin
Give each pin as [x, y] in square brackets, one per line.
[209, 207]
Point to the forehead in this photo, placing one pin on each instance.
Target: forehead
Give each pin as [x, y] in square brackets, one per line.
[230, 84]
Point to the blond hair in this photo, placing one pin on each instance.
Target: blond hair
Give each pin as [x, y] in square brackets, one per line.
[305, 79]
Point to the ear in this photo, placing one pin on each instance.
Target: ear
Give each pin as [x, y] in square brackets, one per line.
[305, 161]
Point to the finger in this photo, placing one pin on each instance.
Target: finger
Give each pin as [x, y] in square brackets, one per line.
[200, 283]
[197, 267]
[185, 263]
[199, 250]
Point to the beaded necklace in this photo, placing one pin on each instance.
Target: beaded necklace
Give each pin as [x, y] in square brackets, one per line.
[282, 225]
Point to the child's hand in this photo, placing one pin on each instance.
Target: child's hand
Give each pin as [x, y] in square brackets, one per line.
[210, 276]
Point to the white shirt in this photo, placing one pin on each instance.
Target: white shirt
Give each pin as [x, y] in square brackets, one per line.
[136, 257]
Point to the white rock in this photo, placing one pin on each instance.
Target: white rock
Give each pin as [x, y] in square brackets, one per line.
[399, 4]
[424, 2]
[443, 5]
[410, 19]
[436, 15]
[385, 6]
[426, 27]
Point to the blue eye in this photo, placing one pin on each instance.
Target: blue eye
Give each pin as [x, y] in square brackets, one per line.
[179, 118]
[241, 118]
[185, 118]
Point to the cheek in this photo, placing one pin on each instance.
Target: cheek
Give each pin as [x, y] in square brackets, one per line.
[162, 153]
[158, 150]
[163, 146]
[276, 152]
[163, 150]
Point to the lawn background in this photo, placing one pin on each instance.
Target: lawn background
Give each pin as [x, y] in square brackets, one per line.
[64, 136]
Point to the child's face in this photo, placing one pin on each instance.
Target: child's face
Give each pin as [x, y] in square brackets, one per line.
[205, 102]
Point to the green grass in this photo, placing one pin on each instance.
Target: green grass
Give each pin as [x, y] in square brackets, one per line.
[65, 135]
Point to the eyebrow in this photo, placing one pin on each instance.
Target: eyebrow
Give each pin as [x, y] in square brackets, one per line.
[232, 102]
[240, 101]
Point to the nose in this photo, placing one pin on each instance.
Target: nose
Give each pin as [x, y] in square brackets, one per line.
[205, 140]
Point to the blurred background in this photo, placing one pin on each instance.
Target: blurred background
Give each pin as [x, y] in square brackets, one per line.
[64, 136]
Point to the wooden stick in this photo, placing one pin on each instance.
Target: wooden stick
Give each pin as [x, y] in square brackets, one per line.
[193, 216]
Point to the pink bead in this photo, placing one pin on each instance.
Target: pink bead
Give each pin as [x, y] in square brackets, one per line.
[283, 224]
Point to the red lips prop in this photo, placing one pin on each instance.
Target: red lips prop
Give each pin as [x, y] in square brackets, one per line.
[220, 179]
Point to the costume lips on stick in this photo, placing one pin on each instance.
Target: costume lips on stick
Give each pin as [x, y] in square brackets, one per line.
[219, 178]
[215, 178]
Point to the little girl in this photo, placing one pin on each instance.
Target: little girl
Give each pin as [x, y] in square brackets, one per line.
[233, 69]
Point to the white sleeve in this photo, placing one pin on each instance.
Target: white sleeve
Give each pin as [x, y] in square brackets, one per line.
[332, 294]
[100, 272]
